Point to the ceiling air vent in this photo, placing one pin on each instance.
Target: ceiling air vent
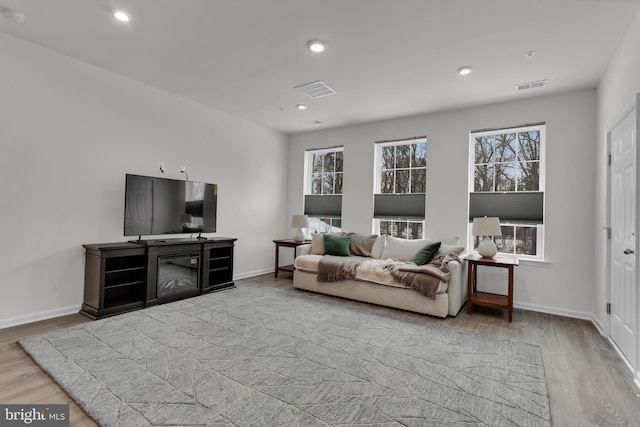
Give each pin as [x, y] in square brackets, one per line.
[315, 89]
[531, 85]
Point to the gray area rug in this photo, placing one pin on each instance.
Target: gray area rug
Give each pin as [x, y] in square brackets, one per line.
[265, 357]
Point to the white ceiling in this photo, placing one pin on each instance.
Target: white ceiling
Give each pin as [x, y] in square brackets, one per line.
[386, 58]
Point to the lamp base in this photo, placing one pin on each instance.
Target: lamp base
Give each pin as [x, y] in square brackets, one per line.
[299, 236]
[487, 248]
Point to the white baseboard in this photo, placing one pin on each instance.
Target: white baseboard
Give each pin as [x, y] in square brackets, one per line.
[44, 315]
[36, 317]
[252, 274]
[49, 314]
[636, 374]
[598, 325]
[554, 310]
[563, 312]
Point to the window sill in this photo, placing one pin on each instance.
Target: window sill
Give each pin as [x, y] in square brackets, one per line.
[535, 262]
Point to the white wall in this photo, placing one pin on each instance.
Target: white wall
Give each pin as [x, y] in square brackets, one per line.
[69, 133]
[617, 88]
[567, 284]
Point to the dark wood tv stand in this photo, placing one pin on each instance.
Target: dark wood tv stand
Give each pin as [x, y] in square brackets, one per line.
[122, 276]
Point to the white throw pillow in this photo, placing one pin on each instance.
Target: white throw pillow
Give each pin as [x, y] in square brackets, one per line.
[403, 249]
[447, 249]
[378, 247]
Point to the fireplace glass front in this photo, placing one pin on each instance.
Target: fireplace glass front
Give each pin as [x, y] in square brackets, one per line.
[177, 274]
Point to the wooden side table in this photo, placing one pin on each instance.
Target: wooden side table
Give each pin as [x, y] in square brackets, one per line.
[486, 298]
[287, 243]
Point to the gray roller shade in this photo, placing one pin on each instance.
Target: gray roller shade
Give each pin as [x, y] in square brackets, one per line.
[325, 206]
[401, 206]
[524, 207]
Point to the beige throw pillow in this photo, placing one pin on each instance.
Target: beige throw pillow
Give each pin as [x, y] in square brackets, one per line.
[361, 245]
[317, 244]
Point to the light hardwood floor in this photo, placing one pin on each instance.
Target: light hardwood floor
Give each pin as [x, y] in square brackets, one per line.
[588, 383]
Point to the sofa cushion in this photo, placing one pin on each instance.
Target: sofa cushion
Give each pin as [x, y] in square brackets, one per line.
[403, 249]
[361, 245]
[426, 254]
[336, 245]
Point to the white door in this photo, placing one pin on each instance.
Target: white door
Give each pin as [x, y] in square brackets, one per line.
[624, 288]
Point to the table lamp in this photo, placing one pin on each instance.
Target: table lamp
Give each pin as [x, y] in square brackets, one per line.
[485, 227]
[299, 222]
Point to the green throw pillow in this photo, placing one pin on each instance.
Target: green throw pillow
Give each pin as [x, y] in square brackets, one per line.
[426, 254]
[336, 245]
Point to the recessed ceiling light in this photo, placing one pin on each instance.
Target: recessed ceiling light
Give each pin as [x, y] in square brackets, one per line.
[316, 46]
[301, 107]
[530, 54]
[121, 16]
[463, 71]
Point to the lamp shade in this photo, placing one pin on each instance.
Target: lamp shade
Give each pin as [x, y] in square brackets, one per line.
[486, 226]
[299, 221]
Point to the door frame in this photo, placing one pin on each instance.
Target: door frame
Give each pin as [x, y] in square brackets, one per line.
[633, 365]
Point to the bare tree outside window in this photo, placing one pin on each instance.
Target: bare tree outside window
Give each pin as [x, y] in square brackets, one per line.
[402, 229]
[515, 239]
[326, 172]
[402, 170]
[325, 225]
[325, 175]
[509, 161]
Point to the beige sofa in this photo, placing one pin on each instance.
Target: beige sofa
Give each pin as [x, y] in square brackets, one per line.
[386, 291]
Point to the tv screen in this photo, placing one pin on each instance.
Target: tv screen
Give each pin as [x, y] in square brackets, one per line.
[154, 206]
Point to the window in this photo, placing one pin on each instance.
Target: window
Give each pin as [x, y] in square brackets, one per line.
[399, 193]
[506, 180]
[323, 193]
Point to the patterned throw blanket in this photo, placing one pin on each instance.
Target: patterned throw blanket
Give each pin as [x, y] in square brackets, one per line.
[424, 279]
[335, 268]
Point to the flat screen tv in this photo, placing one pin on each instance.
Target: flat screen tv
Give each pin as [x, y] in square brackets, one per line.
[156, 206]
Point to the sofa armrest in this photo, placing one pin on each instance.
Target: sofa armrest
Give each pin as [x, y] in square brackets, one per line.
[457, 288]
[303, 249]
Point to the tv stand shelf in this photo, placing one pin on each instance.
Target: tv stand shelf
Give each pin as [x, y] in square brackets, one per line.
[123, 276]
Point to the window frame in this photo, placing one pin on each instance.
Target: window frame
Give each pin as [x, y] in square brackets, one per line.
[308, 187]
[540, 228]
[308, 166]
[377, 181]
[378, 161]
